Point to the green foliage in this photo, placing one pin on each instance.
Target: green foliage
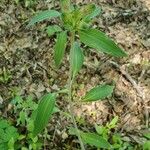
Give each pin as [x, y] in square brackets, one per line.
[98, 93]
[24, 110]
[147, 135]
[5, 75]
[47, 14]
[76, 58]
[24, 107]
[60, 48]
[77, 20]
[106, 138]
[146, 145]
[44, 112]
[27, 113]
[8, 135]
[99, 41]
[105, 131]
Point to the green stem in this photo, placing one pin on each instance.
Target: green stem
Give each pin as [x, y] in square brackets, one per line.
[70, 82]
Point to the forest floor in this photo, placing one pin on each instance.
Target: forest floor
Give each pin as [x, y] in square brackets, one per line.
[27, 57]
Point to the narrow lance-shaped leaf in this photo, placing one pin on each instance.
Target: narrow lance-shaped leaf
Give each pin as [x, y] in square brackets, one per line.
[98, 93]
[99, 41]
[44, 112]
[60, 48]
[95, 140]
[76, 59]
[47, 14]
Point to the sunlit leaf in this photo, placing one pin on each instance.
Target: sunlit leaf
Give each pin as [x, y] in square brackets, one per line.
[113, 123]
[98, 93]
[60, 48]
[76, 59]
[100, 129]
[47, 14]
[95, 140]
[44, 112]
[147, 135]
[146, 145]
[99, 41]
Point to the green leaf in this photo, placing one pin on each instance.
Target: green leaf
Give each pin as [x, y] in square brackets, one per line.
[30, 125]
[77, 59]
[51, 30]
[4, 124]
[113, 123]
[99, 41]
[146, 145]
[10, 132]
[100, 129]
[56, 110]
[47, 14]
[95, 13]
[60, 48]
[95, 140]
[44, 112]
[98, 93]
[147, 135]
[3, 146]
[11, 143]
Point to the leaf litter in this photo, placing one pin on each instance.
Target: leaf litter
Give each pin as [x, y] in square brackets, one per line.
[27, 54]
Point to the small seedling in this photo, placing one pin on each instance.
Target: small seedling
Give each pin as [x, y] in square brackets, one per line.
[75, 28]
[5, 75]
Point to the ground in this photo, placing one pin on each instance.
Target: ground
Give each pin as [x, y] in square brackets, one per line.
[28, 56]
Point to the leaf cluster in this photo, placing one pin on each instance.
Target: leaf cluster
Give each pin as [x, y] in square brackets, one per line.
[77, 20]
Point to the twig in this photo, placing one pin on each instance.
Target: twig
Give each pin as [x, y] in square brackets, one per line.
[130, 79]
[136, 87]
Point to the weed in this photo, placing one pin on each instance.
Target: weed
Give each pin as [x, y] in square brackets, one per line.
[75, 28]
[106, 138]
